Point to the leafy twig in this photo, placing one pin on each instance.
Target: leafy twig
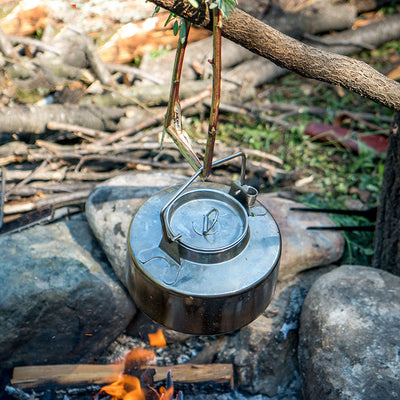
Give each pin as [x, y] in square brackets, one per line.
[216, 93]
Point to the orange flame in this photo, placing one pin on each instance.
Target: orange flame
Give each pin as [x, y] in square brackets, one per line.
[157, 339]
[166, 394]
[126, 388]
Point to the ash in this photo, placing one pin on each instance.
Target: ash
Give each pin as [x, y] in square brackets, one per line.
[173, 353]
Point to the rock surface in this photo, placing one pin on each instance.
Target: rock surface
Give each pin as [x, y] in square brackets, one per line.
[301, 248]
[349, 337]
[61, 302]
[264, 353]
[111, 207]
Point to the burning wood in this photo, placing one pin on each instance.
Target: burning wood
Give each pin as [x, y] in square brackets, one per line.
[133, 379]
[201, 377]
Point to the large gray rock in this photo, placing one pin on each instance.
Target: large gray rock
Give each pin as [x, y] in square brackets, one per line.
[302, 248]
[349, 337]
[264, 353]
[112, 205]
[61, 301]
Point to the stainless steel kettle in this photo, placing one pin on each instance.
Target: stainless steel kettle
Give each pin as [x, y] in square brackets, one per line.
[204, 257]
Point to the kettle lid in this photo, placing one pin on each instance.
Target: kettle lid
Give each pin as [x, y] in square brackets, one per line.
[208, 224]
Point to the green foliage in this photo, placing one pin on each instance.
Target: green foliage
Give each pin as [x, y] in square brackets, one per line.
[224, 5]
[391, 9]
[180, 25]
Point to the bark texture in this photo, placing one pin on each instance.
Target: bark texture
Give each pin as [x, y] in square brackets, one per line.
[387, 233]
[296, 56]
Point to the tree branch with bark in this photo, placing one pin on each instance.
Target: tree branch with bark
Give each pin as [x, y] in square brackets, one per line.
[294, 55]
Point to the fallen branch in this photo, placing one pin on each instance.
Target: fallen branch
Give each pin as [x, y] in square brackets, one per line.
[147, 95]
[314, 18]
[34, 188]
[34, 119]
[196, 60]
[353, 41]
[126, 69]
[289, 53]
[56, 200]
[157, 119]
[63, 174]
[30, 177]
[95, 62]
[59, 126]
[40, 216]
[253, 114]
[39, 44]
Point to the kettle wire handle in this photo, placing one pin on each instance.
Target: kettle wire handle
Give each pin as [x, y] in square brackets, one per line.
[166, 231]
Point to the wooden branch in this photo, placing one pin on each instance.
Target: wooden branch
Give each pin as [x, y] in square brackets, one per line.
[95, 61]
[139, 95]
[52, 200]
[289, 53]
[34, 119]
[63, 174]
[353, 41]
[312, 18]
[27, 41]
[70, 375]
[34, 188]
[231, 108]
[31, 176]
[153, 120]
[126, 69]
[59, 126]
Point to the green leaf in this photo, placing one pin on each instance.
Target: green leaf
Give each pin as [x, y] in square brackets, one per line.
[171, 16]
[156, 10]
[175, 28]
[225, 6]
